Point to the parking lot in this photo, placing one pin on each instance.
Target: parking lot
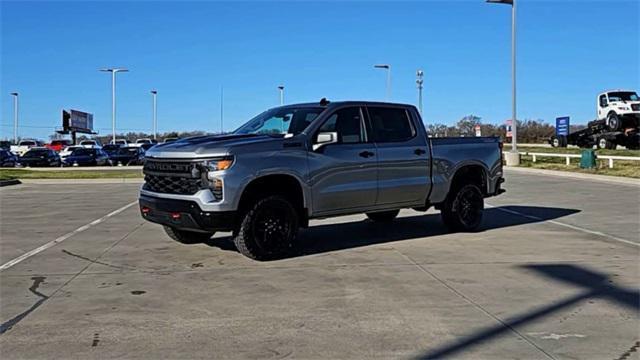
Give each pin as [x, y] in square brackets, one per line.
[553, 273]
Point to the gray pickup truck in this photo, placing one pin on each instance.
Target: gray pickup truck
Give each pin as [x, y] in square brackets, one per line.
[298, 162]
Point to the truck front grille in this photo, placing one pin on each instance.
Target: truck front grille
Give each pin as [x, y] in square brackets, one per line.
[183, 178]
[635, 107]
[171, 184]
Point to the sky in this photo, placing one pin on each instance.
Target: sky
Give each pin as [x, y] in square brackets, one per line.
[567, 52]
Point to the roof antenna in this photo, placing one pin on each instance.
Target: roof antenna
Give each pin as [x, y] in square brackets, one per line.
[324, 102]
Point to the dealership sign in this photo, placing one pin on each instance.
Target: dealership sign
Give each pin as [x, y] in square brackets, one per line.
[562, 126]
[75, 120]
[508, 124]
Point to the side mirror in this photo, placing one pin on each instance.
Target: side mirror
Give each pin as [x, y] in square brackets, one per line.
[325, 138]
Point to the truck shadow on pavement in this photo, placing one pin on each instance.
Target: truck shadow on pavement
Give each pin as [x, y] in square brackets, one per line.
[324, 238]
[591, 285]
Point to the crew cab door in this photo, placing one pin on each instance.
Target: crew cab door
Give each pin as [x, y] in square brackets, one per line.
[404, 172]
[343, 174]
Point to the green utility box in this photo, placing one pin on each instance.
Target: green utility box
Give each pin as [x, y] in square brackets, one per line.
[588, 159]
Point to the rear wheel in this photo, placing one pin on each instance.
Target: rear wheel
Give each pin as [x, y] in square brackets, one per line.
[603, 143]
[463, 208]
[267, 229]
[383, 216]
[187, 237]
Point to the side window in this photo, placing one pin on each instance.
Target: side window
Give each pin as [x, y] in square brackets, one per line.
[603, 100]
[391, 124]
[349, 125]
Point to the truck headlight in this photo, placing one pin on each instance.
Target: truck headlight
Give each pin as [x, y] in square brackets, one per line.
[218, 164]
[623, 108]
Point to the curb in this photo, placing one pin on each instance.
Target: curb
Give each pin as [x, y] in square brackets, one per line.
[573, 175]
[82, 181]
[9, 182]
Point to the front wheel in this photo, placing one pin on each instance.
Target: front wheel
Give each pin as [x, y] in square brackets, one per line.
[614, 122]
[187, 237]
[383, 216]
[267, 229]
[462, 210]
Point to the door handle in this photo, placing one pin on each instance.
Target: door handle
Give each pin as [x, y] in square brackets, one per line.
[419, 152]
[366, 154]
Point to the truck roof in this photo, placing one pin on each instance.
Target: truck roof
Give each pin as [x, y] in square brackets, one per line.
[348, 102]
[618, 90]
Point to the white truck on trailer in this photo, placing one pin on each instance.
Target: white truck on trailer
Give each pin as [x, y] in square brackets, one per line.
[617, 123]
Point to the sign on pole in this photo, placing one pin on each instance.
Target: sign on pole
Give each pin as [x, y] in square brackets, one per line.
[509, 124]
[478, 130]
[562, 126]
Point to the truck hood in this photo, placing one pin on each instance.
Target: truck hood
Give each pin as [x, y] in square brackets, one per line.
[207, 146]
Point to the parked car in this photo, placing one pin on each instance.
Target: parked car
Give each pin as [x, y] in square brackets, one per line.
[299, 162]
[91, 144]
[145, 141]
[87, 157]
[7, 158]
[40, 156]
[24, 146]
[111, 149]
[121, 142]
[146, 147]
[58, 145]
[68, 150]
[128, 155]
[5, 145]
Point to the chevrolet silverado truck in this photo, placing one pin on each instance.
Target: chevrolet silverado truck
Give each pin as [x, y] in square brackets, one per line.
[299, 162]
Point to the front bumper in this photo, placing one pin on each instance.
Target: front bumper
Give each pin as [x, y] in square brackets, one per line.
[185, 215]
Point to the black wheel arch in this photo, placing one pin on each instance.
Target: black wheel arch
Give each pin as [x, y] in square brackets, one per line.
[283, 185]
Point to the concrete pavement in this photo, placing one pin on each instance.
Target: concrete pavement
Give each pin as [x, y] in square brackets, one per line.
[547, 277]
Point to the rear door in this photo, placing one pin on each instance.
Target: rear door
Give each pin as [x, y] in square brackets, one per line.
[403, 155]
[344, 175]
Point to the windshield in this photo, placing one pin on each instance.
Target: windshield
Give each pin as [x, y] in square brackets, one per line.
[27, 143]
[58, 142]
[80, 152]
[127, 151]
[623, 96]
[88, 142]
[38, 152]
[281, 121]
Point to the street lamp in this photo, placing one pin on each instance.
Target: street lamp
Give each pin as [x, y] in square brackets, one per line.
[154, 95]
[419, 82]
[113, 72]
[388, 68]
[281, 88]
[15, 117]
[514, 145]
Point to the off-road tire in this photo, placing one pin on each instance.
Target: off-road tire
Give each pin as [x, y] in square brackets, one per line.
[383, 216]
[187, 237]
[463, 208]
[267, 229]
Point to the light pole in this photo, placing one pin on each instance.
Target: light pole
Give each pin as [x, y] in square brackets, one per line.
[113, 72]
[154, 95]
[388, 68]
[221, 109]
[419, 82]
[15, 117]
[281, 88]
[514, 126]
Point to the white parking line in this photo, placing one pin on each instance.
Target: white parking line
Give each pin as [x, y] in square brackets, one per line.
[578, 228]
[63, 237]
